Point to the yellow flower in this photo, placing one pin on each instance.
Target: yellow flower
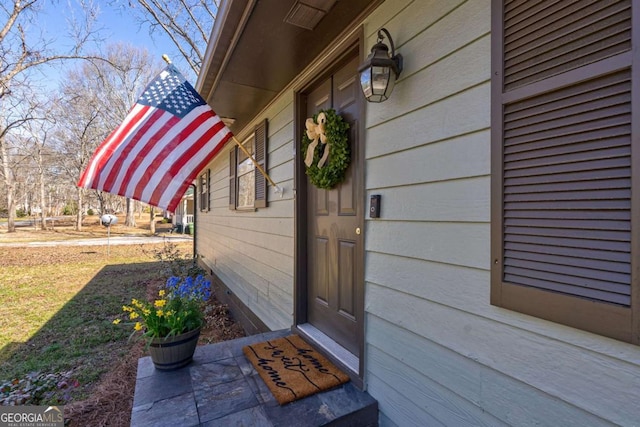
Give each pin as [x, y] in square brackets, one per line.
[136, 303]
[133, 315]
[160, 303]
[115, 322]
[160, 313]
[146, 311]
[137, 326]
[126, 308]
[161, 292]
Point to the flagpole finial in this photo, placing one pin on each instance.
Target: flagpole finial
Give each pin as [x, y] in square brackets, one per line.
[166, 58]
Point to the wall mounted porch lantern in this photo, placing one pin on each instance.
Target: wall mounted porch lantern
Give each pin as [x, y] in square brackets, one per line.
[379, 72]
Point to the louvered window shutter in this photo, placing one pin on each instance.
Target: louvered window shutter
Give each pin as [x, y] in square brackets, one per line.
[202, 188]
[232, 178]
[208, 190]
[260, 137]
[561, 162]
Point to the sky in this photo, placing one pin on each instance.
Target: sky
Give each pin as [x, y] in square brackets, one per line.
[114, 26]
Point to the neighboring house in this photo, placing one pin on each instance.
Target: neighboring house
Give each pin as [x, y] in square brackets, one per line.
[184, 212]
[501, 283]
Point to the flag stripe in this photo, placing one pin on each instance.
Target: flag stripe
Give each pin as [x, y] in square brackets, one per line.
[203, 149]
[128, 149]
[173, 201]
[169, 135]
[137, 162]
[166, 152]
[104, 151]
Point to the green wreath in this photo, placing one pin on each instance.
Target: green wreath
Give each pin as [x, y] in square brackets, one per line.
[333, 171]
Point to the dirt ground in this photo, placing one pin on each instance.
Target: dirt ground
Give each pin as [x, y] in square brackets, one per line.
[63, 228]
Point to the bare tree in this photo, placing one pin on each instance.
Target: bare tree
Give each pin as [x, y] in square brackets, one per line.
[97, 98]
[37, 138]
[79, 130]
[21, 110]
[19, 55]
[121, 86]
[187, 23]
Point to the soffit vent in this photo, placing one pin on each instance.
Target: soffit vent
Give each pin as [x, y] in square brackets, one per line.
[307, 13]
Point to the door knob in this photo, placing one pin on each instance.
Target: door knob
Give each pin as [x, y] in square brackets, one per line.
[358, 231]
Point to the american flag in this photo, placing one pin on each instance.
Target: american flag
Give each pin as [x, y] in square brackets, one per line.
[169, 135]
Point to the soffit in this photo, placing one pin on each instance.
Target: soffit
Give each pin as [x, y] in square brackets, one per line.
[253, 53]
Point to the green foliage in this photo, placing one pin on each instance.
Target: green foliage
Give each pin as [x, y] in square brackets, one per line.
[332, 173]
[69, 210]
[21, 213]
[36, 388]
[90, 212]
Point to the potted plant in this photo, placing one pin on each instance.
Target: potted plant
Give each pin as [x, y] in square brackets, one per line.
[171, 324]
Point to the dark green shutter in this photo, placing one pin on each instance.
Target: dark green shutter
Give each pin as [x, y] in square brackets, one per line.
[260, 139]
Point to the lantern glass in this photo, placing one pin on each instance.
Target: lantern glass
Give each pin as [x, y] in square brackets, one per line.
[365, 82]
[379, 72]
[381, 77]
[377, 83]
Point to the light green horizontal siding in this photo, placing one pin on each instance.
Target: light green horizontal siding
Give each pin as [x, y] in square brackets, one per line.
[252, 252]
[437, 353]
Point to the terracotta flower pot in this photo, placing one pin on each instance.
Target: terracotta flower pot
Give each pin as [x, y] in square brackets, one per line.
[174, 352]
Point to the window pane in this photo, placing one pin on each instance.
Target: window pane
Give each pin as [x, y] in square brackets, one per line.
[245, 166]
[246, 176]
[246, 190]
[204, 198]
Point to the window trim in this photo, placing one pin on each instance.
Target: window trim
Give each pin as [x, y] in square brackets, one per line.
[260, 138]
[239, 155]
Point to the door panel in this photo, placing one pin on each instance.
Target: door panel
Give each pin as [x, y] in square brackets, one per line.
[335, 249]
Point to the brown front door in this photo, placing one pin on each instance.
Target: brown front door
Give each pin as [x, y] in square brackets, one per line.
[335, 277]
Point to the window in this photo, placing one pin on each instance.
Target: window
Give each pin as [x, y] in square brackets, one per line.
[205, 191]
[564, 225]
[246, 175]
[247, 186]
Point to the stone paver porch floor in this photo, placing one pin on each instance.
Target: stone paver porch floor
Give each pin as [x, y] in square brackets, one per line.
[221, 388]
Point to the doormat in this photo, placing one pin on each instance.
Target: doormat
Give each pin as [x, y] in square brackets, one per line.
[292, 369]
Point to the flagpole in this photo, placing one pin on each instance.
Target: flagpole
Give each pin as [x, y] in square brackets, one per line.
[257, 165]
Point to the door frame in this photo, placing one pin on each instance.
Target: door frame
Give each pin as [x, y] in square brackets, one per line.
[328, 62]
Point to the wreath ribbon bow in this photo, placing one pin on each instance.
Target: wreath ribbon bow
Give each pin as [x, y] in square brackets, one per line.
[316, 133]
[330, 129]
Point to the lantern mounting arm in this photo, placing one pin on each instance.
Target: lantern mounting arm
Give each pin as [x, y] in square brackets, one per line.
[397, 59]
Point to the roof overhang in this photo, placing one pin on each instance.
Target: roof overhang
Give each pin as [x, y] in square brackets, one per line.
[254, 53]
